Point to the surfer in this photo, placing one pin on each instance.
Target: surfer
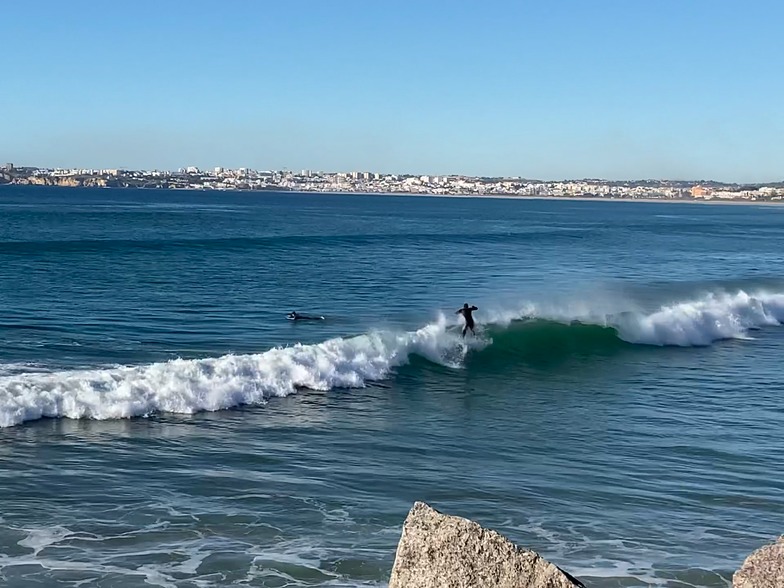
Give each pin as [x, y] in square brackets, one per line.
[295, 316]
[467, 311]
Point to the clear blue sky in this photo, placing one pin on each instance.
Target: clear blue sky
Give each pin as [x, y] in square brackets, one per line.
[683, 89]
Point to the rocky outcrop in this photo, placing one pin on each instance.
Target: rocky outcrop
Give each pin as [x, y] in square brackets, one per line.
[762, 569]
[440, 551]
[66, 181]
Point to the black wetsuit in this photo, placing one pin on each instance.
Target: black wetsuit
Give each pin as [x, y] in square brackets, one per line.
[467, 311]
[295, 316]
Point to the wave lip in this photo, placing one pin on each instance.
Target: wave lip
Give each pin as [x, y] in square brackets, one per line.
[715, 317]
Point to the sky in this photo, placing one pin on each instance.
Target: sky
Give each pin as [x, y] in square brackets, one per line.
[556, 89]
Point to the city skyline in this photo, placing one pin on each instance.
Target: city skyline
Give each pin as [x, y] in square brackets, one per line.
[212, 169]
[613, 90]
[222, 179]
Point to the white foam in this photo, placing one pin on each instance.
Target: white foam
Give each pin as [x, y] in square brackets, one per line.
[40, 539]
[189, 386]
[701, 322]
[713, 317]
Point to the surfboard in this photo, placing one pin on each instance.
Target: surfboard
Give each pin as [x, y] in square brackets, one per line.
[458, 330]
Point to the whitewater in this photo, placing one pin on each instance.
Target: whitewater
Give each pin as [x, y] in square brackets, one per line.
[187, 386]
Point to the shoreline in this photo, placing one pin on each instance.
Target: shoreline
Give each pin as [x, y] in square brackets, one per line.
[740, 202]
[712, 201]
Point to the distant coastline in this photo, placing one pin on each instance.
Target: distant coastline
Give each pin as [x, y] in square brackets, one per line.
[456, 186]
[487, 196]
[736, 202]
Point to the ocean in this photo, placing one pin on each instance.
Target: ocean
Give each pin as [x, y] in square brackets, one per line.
[620, 409]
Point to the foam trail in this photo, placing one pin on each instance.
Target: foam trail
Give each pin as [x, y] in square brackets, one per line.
[189, 386]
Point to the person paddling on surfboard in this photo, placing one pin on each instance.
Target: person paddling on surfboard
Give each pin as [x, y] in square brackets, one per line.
[467, 311]
[295, 316]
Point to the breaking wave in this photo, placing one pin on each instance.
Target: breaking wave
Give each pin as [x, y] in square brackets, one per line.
[693, 323]
[193, 385]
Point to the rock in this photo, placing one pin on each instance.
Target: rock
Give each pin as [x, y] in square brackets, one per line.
[762, 569]
[440, 551]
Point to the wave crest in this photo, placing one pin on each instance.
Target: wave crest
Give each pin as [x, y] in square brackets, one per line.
[712, 318]
[189, 386]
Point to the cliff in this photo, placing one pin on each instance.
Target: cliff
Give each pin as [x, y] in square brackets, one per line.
[68, 181]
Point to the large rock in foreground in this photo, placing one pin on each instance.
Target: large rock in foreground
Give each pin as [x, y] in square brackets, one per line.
[762, 569]
[440, 551]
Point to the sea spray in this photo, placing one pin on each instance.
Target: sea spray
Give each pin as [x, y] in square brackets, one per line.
[701, 322]
[697, 322]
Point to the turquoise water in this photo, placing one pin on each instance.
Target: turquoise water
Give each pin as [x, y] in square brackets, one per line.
[620, 409]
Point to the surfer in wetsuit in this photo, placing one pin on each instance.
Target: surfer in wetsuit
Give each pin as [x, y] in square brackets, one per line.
[295, 316]
[467, 311]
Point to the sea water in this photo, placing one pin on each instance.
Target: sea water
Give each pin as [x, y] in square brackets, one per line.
[619, 409]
